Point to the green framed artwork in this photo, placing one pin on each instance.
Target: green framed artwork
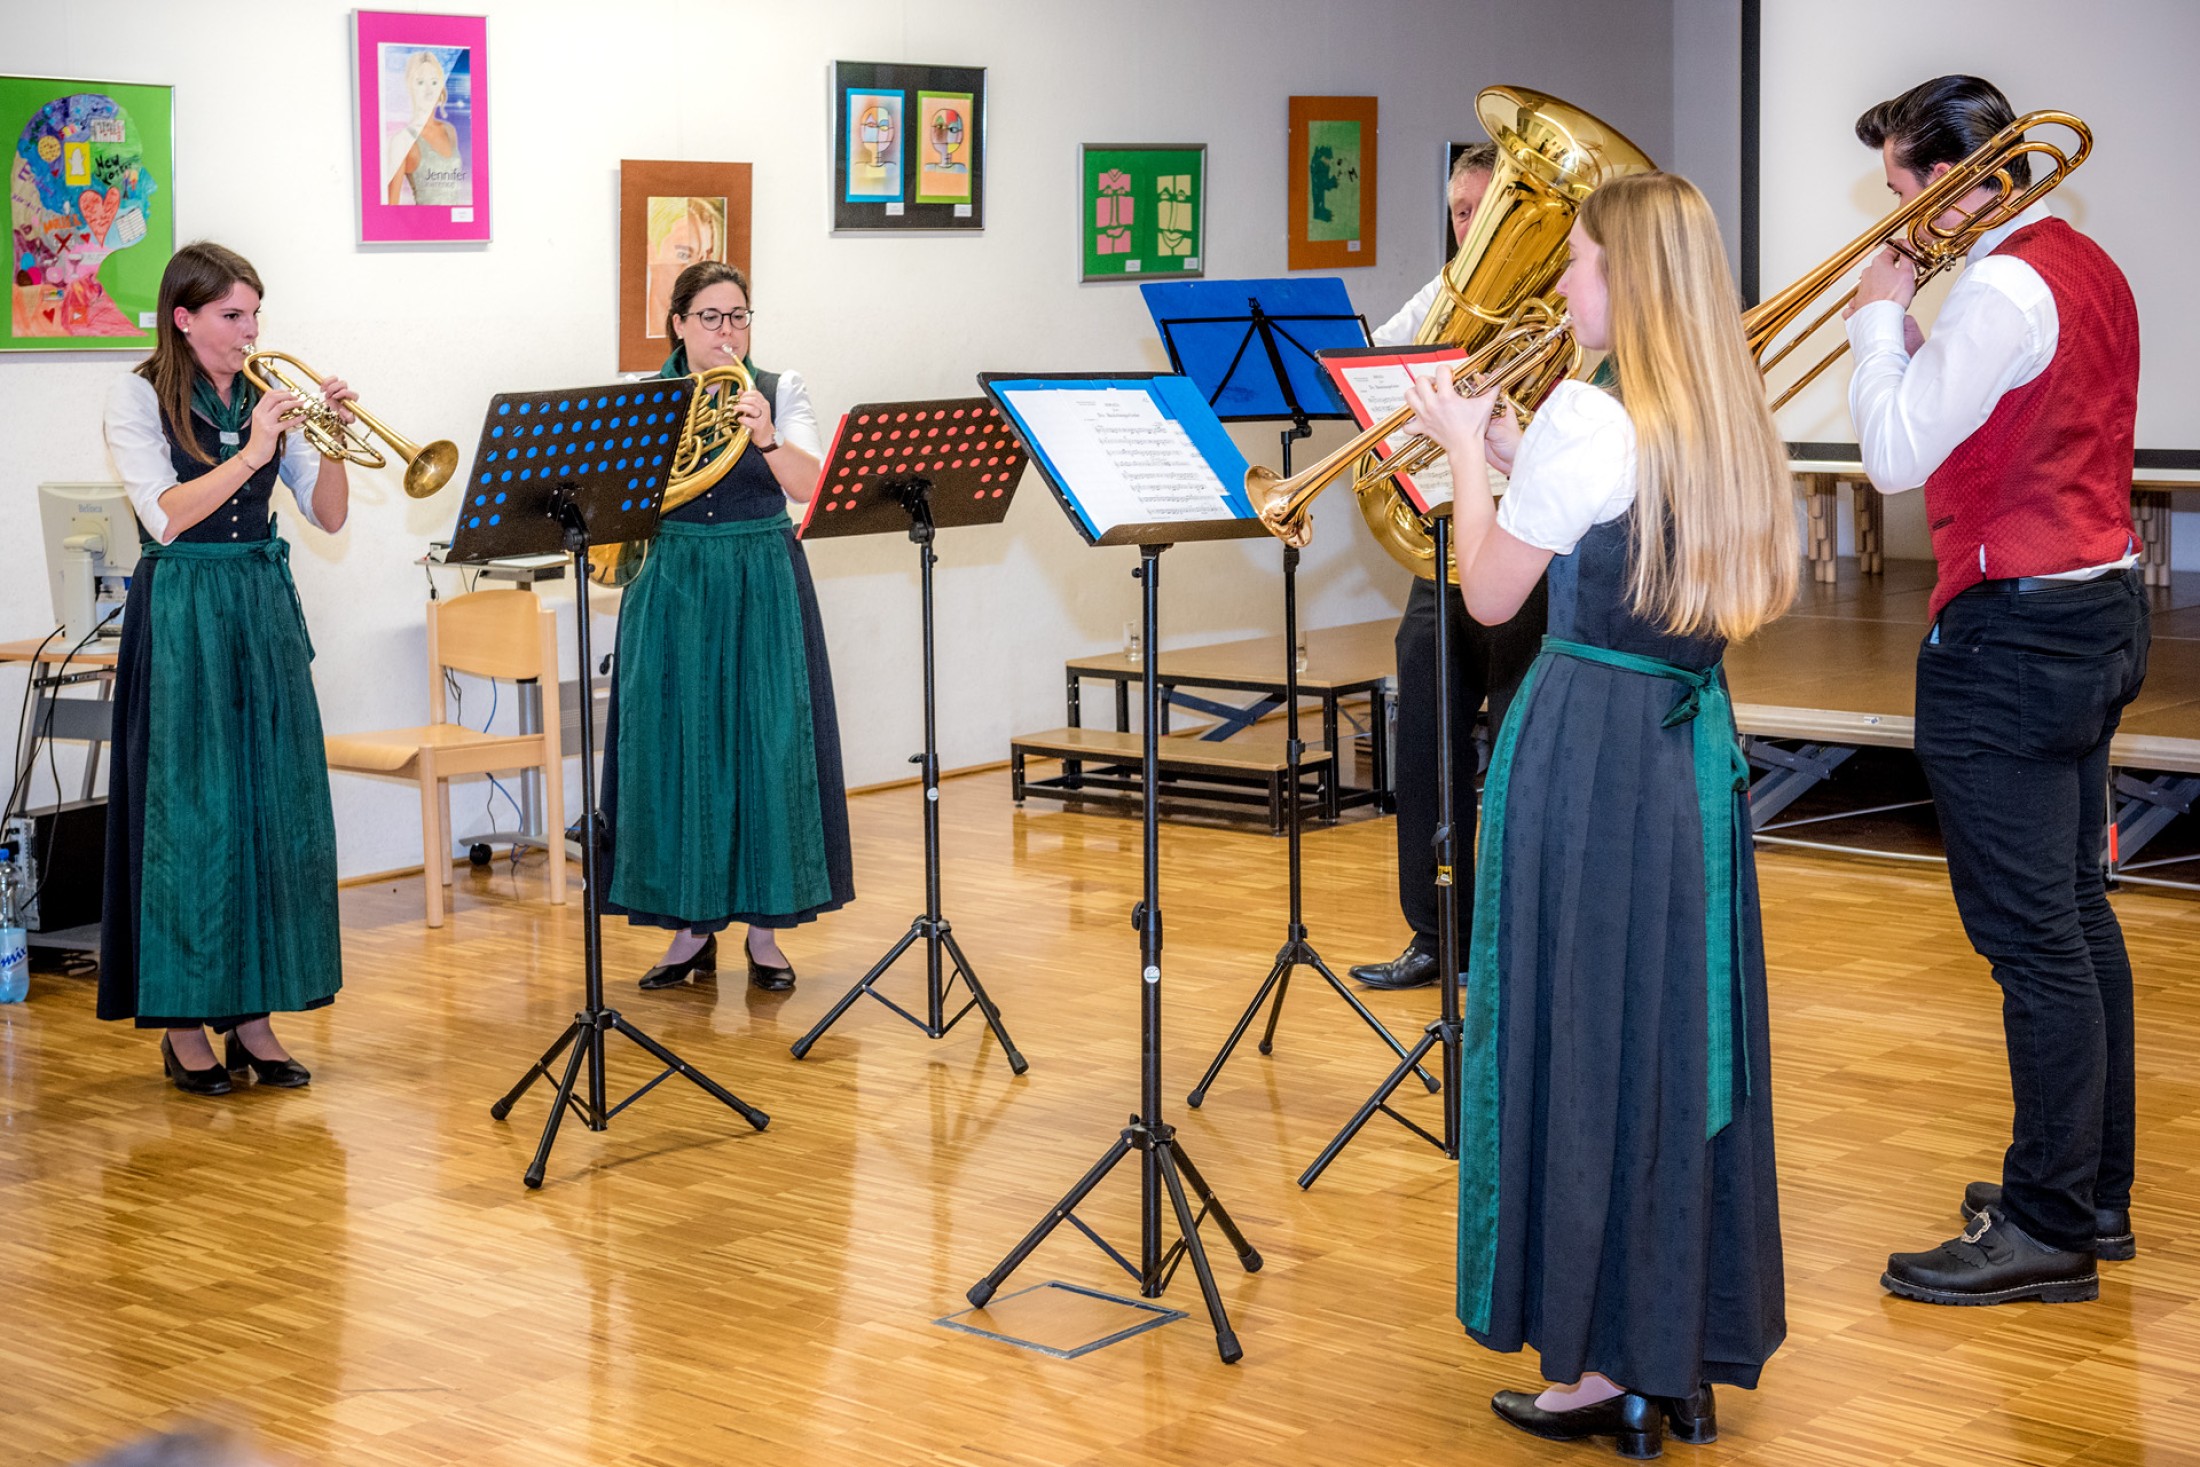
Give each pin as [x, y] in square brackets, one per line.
[91, 204]
[1330, 192]
[1144, 210]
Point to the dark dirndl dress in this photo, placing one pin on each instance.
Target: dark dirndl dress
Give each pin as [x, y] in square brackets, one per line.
[1618, 1205]
[723, 799]
[221, 840]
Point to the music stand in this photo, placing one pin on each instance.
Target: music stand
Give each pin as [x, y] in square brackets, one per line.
[1119, 517]
[1252, 345]
[919, 467]
[562, 470]
[1434, 503]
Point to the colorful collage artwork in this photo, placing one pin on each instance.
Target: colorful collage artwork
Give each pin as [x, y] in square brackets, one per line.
[91, 166]
[908, 146]
[1144, 210]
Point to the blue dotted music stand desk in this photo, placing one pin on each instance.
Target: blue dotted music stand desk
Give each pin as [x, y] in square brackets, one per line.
[607, 450]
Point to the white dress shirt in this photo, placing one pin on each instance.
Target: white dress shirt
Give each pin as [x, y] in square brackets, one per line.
[143, 462]
[1399, 329]
[1997, 330]
[1575, 470]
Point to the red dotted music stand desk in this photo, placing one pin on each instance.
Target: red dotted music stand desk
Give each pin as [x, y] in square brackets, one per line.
[914, 468]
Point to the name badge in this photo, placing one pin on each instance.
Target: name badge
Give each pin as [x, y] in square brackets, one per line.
[230, 439]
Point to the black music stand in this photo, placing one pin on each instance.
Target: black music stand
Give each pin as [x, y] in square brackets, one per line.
[1445, 1032]
[1265, 373]
[919, 467]
[1164, 1167]
[555, 471]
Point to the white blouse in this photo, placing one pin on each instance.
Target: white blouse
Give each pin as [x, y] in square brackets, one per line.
[1575, 469]
[143, 461]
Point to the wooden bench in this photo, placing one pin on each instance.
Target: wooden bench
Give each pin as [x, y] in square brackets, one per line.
[1103, 766]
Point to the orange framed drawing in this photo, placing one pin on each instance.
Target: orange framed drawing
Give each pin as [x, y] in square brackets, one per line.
[672, 215]
[1331, 193]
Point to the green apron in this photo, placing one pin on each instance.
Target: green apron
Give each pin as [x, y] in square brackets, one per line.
[238, 907]
[1719, 770]
[719, 814]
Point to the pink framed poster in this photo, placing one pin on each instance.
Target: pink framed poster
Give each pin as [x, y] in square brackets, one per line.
[420, 91]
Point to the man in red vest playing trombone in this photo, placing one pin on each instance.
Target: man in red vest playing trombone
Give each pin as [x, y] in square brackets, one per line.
[2017, 418]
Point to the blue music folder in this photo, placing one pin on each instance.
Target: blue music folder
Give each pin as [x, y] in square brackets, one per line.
[1209, 329]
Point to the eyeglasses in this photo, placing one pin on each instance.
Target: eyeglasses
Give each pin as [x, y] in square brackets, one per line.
[739, 316]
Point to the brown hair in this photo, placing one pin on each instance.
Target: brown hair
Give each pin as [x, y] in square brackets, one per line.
[696, 279]
[1714, 536]
[197, 275]
[1944, 120]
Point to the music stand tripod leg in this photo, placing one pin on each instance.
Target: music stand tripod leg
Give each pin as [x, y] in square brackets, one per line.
[986, 1005]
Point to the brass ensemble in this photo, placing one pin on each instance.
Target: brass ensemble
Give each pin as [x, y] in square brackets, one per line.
[1535, 346]
[712, 440]
[1551, 156]
[426, 469]
[1913, 231]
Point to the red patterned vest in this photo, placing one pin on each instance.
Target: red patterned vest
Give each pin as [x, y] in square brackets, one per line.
[2045, 484]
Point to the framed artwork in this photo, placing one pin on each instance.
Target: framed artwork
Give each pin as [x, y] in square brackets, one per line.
[1331, 190]
[672, 215]
[91, 211]
[908, 146]
[1144, 209]
[421, 115]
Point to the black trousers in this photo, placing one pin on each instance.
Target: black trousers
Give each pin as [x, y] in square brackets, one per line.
[2016, 702]
[1486, 662]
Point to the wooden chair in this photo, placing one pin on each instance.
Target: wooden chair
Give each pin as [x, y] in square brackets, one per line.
[508, 635]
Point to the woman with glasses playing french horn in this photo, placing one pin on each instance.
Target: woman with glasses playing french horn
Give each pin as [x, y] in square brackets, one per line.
[722, 791]
[221, 843]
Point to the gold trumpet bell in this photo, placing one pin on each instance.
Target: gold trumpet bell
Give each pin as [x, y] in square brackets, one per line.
[1270, 493]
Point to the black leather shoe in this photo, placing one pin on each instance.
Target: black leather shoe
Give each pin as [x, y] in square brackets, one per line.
[671, 975]
[1994, 1262]
[283, 1074]
[1693, 1419]
[768, 980]
[1636, 1422]
[1413, 968]
[2112, 1239]
[213, 1080]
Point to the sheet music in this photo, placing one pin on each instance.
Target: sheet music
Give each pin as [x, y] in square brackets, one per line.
[1124, 461]
[1381, 390]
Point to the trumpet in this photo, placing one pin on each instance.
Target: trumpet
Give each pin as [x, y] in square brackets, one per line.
[1914, 231]
[1536, 346]
[426, 469]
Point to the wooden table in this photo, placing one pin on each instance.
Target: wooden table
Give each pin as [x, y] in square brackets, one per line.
[1341, 662]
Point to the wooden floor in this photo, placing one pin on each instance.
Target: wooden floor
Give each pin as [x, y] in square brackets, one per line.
[354, 1272]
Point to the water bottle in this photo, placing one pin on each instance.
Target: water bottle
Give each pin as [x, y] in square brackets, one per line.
[15, 951]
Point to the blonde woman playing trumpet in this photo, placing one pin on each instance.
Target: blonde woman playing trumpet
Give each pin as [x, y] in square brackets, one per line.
[1617, 1200]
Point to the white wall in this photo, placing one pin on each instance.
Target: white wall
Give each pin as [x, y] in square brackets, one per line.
[265, 149]
[1707, 102]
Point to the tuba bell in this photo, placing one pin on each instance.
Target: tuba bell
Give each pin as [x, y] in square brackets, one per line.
[1551, 155]
[426, 469]
[1914, 231]
[712, 440]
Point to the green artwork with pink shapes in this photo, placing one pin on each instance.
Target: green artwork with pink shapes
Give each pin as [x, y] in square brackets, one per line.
[1144, 211]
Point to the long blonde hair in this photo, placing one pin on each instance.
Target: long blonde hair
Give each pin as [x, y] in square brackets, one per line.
[1715, 548]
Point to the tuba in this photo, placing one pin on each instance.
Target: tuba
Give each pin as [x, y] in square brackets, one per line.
[1914, 232]
[712, 441]
[426, 469]
[1496, 290]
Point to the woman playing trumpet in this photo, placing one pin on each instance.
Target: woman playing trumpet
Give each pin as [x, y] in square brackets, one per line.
[221, 842]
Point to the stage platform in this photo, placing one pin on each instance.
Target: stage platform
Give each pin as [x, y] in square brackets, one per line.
[1837, 674]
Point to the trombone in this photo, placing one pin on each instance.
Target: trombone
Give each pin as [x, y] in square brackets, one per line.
[1536, 346]
[1914, 231]
[426, 469]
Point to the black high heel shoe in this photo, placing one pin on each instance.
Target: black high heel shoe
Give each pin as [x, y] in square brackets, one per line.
[1635, 1422]
[283, 1074]
[1694, 1418]
[214, 1080]
[671, 975]
[767, 980]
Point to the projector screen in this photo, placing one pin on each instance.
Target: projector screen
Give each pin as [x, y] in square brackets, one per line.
[2124, 66]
